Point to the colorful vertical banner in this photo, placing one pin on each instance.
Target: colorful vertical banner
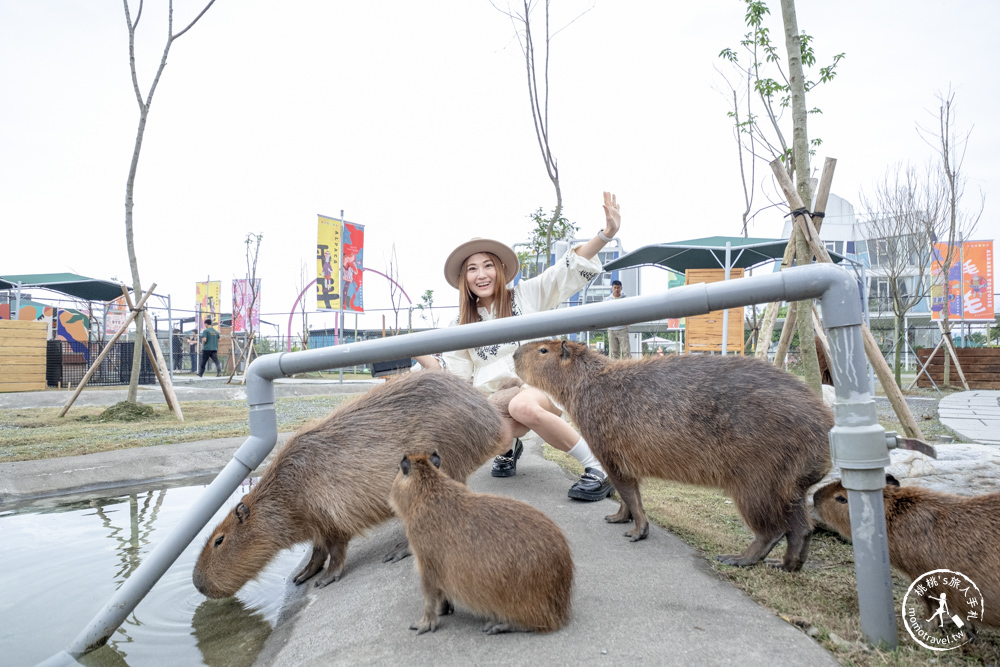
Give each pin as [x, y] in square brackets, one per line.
[968, 287]
[354, 267]
[115, 314]
[328, 264]
[207, 299]
[246, 316]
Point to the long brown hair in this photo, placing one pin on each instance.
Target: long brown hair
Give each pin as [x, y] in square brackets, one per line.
[467, 301]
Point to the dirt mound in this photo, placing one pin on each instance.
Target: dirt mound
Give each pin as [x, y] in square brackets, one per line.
[127, 412]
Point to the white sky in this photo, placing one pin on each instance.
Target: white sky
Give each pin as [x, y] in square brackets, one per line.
[412, 118]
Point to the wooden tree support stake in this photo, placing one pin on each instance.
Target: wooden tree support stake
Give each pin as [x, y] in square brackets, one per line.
[159, 364]
[104, 352]
[771, 312]
[878, 363]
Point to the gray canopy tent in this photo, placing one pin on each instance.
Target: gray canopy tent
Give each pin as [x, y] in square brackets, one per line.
[723, 252]
[80, 287]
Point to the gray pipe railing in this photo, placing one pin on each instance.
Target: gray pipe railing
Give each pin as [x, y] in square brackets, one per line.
[857, 442]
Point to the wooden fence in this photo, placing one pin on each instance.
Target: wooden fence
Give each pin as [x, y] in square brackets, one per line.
[981, 366]
[22, 355]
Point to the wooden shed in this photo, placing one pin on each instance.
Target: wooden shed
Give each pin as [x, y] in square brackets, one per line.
[22, 355]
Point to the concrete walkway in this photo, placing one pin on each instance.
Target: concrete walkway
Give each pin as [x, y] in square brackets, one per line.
[651, 602]
[973, 415]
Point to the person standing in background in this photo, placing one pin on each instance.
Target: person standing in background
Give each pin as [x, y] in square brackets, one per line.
[619, 346]
[209, 348]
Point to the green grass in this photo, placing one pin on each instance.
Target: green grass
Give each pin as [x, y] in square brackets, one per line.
[39, 433]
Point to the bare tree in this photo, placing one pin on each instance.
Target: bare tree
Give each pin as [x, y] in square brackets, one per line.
[956, 224]
[395, 291]
[902, 212]
[247, 306]
[538, 96]
[133, 387]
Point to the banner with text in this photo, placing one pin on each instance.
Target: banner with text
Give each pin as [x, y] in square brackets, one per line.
[115, 316]
[246, 305]
[328, 264]
[968, 288]
[354, 267]
[207, 302]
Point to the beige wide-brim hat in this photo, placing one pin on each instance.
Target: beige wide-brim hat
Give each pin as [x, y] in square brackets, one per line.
[453, 265]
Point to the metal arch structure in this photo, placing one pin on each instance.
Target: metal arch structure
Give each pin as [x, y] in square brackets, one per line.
[858, 444]
[313, 282]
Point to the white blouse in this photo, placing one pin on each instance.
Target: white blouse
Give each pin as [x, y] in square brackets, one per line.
[488, 366]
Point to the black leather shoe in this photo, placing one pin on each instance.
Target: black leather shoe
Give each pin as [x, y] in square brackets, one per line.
[506, 464]
[592, 485]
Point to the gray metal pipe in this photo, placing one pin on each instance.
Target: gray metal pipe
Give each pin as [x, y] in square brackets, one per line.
[854, 414]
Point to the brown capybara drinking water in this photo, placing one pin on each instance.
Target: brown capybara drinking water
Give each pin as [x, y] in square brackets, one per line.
[729, 422]
[930, 530]
[331, 480]
[495, 556]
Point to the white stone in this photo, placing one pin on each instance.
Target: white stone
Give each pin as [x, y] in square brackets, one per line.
[962, 469]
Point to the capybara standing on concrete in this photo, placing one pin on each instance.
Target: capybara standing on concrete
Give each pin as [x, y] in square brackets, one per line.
[331, 480]
[930, 530]
[496, 556]
[729, 422]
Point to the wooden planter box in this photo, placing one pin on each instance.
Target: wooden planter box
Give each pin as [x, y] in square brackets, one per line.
[22, 355]
[981, 366]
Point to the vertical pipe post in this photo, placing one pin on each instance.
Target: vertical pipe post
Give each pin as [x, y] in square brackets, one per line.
[858, 447]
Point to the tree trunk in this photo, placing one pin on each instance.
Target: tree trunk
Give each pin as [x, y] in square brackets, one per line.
[133, 383]
[800, 157]
[897, 361]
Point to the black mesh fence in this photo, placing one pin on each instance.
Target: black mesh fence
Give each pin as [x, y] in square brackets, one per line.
[67, 363]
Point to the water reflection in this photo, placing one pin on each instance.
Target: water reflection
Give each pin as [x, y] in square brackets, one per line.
[59, 566]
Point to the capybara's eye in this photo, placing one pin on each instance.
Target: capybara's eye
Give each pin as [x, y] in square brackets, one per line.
[841, 499]
[543, 350]
[219, 539]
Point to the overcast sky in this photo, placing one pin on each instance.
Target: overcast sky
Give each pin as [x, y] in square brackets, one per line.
[412, 118]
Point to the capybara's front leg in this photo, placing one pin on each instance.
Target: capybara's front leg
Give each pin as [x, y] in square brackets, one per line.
[401, 551]
[630, 506]
[434, 600]
[315, 564]
[494, 627]
[338, 554]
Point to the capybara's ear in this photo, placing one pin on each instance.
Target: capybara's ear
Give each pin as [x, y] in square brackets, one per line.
[404, 465]
[435, 459]
[566, 352]
[242, 512]
[890, 480]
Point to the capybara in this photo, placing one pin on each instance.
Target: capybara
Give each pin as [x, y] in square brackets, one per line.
[930, 530]
[331, 480]
[729, 422]
[495, 556]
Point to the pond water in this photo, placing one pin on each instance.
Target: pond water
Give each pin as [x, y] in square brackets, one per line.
[61, 561]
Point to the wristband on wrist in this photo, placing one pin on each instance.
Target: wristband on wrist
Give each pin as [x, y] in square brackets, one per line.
[600, 235]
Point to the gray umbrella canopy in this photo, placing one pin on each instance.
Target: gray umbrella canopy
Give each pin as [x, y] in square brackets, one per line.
[72, 284]
[706, 253]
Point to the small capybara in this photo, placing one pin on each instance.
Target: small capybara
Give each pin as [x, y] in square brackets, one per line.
[331, 480]
[496, 556]
[729, 422]
[930, 530]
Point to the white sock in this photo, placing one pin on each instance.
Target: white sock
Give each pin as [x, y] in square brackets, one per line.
[581, 452]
